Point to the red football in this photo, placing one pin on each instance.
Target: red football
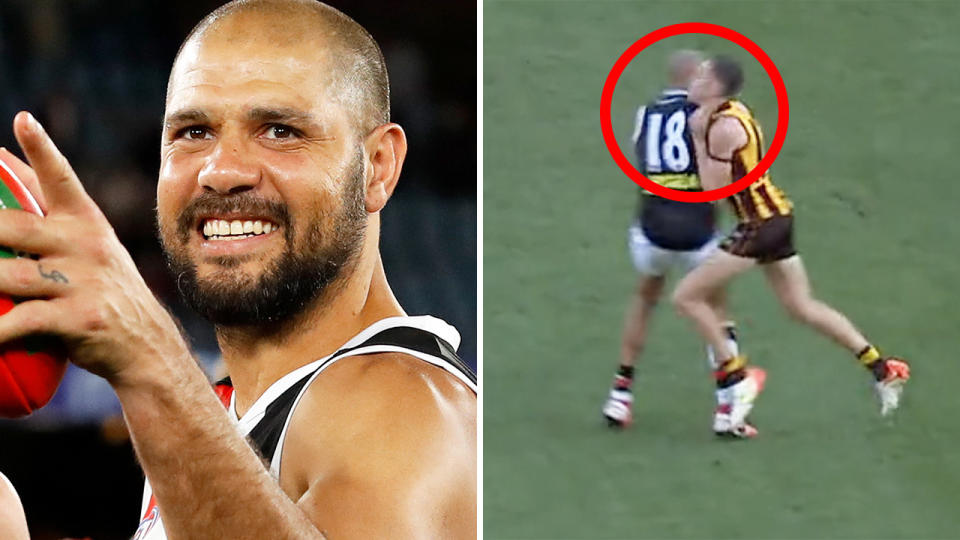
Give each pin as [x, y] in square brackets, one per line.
[32, 368]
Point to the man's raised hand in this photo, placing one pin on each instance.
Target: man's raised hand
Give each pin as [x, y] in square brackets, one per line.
[83, 286]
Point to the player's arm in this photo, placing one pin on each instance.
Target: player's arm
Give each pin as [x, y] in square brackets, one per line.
[208, 481]
[715, 152]
[397, 460]
[638, 124]
[13, 522]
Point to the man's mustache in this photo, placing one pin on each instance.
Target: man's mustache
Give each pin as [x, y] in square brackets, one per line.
[209, 204]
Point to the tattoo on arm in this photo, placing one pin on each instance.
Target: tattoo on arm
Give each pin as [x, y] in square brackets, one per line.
[52, 275]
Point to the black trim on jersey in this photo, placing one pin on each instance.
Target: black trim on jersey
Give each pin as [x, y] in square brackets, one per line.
[266, 434]
[417, 340]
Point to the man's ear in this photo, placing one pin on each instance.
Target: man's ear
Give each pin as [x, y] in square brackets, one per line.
[386, 148]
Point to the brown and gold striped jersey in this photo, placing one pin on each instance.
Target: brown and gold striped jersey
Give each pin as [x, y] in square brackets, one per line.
[761, 200]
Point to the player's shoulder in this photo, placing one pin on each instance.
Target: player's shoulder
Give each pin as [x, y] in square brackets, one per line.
[733, 108]
[364, 409]
[386, 373]
[377, 391]
[726, 127]
[727, 120]
[725, 135]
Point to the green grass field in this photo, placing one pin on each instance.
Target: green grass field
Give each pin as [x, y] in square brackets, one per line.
[869, 163]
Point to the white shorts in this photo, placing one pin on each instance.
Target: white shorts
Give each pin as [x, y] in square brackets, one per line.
[652, 260]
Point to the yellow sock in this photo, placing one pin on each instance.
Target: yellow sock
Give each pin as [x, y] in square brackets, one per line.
[737, 362]
[869, 355]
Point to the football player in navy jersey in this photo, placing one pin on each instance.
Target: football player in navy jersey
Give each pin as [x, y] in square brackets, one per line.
[277, 155]
[665, 233]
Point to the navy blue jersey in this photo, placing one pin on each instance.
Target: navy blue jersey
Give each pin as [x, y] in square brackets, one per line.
[663, 143]
[665, 154]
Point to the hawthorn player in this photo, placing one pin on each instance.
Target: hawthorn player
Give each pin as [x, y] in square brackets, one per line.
[277, 156]
[729, 143]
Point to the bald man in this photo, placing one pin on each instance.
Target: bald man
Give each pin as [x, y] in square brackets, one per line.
[665, 234]
[342, 416]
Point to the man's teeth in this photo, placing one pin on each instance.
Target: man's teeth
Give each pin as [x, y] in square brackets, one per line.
[219, 229]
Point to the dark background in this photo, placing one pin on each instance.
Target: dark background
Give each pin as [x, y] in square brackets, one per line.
[94, 72]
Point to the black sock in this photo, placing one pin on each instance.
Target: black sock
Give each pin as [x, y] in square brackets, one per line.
[731, 371]
[624, 378]
[731, 330]
[726, 379]
[872, 360]
[879, 369]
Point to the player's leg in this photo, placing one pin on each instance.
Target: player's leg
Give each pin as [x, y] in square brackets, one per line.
[646, 294]
[695, 297]
[790, 283]
[651, 263]
[618, 409]
[737, 386]
[718, 300]
[721, 412]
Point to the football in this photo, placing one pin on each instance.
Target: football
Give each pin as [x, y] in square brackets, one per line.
[30, 369]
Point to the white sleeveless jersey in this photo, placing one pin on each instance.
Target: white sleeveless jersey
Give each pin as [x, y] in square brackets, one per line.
[265, 423]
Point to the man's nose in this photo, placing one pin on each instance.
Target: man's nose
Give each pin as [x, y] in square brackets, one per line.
[230, 168]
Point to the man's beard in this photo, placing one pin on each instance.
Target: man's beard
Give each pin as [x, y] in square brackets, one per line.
[288, 284]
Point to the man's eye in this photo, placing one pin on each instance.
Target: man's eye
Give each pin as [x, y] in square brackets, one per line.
[194, 133]
[280, 131]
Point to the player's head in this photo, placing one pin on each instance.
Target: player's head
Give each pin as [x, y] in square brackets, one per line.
[355, 67]
[682, 66]
[277, 111]
[718, 77]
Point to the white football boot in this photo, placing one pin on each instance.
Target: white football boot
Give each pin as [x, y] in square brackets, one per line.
[890, 388]
[735, 402]
[618, 410]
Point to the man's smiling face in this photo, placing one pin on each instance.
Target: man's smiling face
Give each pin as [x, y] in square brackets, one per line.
[260, 200]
